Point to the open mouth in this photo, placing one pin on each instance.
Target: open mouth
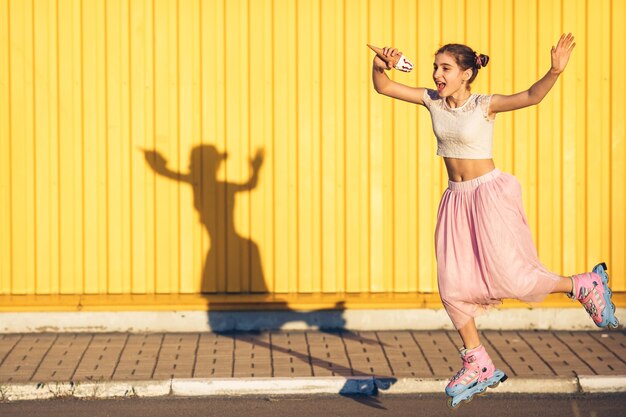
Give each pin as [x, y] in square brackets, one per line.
[440, 86]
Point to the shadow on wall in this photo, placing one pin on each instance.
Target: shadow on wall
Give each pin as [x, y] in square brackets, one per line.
[223, 271]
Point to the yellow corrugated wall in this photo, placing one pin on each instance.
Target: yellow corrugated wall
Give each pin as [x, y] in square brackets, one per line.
[347, 185]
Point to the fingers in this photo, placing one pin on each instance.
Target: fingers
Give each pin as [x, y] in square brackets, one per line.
[571, 47]
[379, 63]
[389, 51]
[565, 42]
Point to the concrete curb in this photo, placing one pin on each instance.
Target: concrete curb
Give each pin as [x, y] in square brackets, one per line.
[91, 389]
[512, 385]
[274, 386]
[595, 383]
[200, 321]
[298, 386]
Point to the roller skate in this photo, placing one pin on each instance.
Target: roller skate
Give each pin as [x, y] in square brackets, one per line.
[478, 374]
[591, 289]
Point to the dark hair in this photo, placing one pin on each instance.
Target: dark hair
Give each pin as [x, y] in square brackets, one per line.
[465, 58]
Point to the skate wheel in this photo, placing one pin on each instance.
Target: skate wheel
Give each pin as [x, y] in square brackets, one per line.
[495, 385]
[452, 407]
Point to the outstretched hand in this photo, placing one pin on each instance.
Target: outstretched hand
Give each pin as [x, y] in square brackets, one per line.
[561, 52]
[155, 160]
[258, 159]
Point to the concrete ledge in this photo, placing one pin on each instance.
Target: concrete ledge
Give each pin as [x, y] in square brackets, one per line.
[415, 386]
[273, 386]
[538, 386]
[511, 385]
[198, 321]
[103, 389]
[299, 386]
[597, 384]
[19, 392]
[111, 389]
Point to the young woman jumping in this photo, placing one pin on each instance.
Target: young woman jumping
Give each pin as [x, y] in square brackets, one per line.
[484, 246]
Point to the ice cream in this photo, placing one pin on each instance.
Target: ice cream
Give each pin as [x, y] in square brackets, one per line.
[400, 63]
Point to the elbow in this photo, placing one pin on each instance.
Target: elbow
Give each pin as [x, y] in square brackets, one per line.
[534, 99]
[380, 90]
[380, 86]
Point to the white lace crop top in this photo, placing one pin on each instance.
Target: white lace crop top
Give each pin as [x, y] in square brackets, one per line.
[464, 132]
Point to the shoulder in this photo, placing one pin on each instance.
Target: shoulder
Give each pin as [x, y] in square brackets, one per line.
[430, 96]
[484, 103]
[483, 98]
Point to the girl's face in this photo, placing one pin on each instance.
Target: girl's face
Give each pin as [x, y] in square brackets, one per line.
[448, 76]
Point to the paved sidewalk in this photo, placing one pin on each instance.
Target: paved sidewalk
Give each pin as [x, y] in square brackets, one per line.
[46, 365]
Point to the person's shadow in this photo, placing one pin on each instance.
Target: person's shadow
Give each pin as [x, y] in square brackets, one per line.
[225, 270]
[233, 263]
[215, 203]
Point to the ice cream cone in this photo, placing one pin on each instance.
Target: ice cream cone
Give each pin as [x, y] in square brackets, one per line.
[393, 60]
[399, 61]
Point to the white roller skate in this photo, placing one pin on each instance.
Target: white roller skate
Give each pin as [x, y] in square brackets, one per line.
[478, 374]
[592, 290]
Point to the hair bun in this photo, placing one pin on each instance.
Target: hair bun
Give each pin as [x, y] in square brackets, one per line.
[481, 60]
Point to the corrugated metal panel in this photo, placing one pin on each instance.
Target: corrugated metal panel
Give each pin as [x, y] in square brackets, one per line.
[344, 191]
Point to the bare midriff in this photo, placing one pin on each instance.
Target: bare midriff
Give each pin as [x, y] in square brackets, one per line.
[467, 169]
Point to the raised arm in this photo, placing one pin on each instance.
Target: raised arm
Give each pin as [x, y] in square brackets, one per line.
[536, 93]
[158, 163]
[384, 85]
[256, 167]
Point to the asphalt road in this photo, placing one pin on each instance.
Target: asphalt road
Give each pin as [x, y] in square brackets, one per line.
[327, 406]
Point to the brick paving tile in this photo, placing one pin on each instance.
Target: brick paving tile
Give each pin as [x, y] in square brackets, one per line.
[593, 353]
[412, 354]
[440, 352]
[324, 367]
[23, 360]
[177, 356]
[139, 356]
[277, 362]
[404, 355]
[556, 354]
[365, 354]
[302, 366]
[250, 349]
[63, 358]
[337, 361]
[516, 355]
[324, 339]
[214, 365]
[7, 343]
[217, 364]
[613, 341]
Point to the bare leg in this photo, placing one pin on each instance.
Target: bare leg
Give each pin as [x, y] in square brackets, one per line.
[564, 285]
[469, 334]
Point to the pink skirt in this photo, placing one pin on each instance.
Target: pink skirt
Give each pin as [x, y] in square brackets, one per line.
[484, 247]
